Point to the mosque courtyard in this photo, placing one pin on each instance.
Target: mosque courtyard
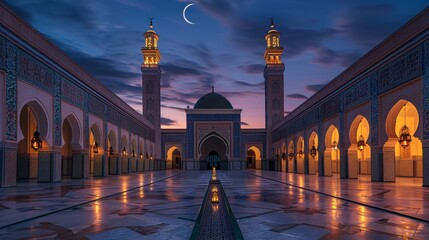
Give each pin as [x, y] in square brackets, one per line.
[166, 204]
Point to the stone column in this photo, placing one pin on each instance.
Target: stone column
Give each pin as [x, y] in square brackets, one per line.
[353, 164]
[344, 164]
[8, 156]
[425, 157]
[80, 167]
[49, 165]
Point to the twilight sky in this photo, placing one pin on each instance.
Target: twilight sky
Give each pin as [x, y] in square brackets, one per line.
[224, 48]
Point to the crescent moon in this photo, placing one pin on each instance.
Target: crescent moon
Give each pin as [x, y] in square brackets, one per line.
[184, 13]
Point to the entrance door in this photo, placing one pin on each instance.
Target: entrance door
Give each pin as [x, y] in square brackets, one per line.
[213, 160]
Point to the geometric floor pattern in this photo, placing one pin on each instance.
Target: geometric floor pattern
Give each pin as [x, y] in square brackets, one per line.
[165, 205]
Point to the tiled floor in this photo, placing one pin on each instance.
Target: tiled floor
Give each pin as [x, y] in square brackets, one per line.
[266, 204]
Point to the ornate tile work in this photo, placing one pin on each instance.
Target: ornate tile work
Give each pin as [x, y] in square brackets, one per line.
[356, 94]
[331, 107]
[311, 118]
[56, 79]
[72, 93]
[11, 92]
[426, 89]
[403, 69]
[236, 140]
[2, 52]
[34, 72]
[86, 120]
[96, 106]
[374, 109]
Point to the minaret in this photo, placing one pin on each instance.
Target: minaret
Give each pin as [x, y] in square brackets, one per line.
[273, 74]
[151, 82]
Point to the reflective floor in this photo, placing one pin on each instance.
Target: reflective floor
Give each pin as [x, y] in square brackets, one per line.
[267, 205]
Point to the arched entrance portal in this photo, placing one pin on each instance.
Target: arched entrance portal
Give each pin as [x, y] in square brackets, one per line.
[251, 158]
[213, 160]
[332, 152]
[213, 152]
[359, 152]
[402, 152]
[174, 158]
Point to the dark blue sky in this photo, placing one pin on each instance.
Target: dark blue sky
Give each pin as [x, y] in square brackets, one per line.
[224, 48]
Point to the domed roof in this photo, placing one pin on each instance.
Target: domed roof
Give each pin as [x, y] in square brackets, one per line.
[213, 101]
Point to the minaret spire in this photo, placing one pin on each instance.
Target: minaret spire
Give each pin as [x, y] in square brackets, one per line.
[151, 25]
[272, 23]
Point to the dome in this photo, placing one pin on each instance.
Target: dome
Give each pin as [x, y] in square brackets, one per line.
[213, 101]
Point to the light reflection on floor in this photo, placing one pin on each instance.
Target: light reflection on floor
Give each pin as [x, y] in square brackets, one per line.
[266, 208]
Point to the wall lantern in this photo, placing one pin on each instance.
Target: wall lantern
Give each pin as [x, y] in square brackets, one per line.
[110, 150]
[124, 152]
[95, 147]
[290, 155]
[284, 156]
[36, 142]
[133, 153]
[405, 137]
[141, 155]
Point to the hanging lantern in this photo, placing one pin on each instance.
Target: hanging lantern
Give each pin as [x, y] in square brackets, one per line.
[141, 155]
[36, 142]
[290, 155]
[133, 153]
[405, 137]
[124, 152]
[334, 145]
[300, 153]
[361, 143]
[110, 150]
[284, 156]
[95, 147]
[151, 158]
[313, 151]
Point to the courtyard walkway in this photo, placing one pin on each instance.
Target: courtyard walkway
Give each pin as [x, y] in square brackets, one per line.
[165, 205]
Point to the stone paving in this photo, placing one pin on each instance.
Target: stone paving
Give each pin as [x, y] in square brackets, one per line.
[165, 205]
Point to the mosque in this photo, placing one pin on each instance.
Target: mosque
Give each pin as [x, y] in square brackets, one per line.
[58, 121]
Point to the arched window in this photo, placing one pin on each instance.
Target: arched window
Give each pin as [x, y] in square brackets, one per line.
[149, 104]
[276, 87]
[276, 118]
[149, 87]
[150, 118]
[276, 104]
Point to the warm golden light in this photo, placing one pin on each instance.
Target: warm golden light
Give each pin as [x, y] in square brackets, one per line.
[36, 142]
[215, 197]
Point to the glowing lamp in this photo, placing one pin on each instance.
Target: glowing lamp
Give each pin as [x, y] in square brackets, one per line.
[215, 197]
[124, 152]
[214, 189]
[405, 137]
[361, 143]
[284, 156]
[300, 153]
[36, 142]
[334, 145]
[290, 155]
[313, 151]
[141, 155]
[95, 147]
[133, 153]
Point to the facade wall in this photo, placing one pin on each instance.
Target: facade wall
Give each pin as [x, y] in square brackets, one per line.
[35, 73]
[388, 78]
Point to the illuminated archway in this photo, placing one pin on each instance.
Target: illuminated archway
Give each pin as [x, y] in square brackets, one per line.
[71, 143]
[290, 157]
[174, 157]
[403, 118]
[300, 155]
[283, 157]
[359, 152]
[332, 151]
[96, 150]
[313, 153]
[253, 156]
